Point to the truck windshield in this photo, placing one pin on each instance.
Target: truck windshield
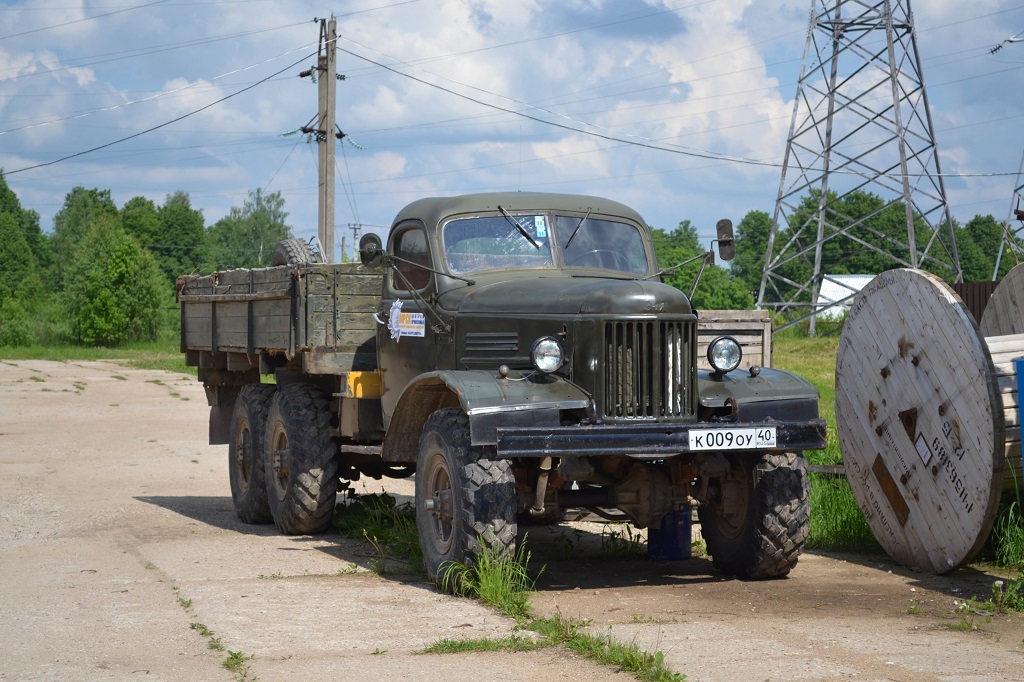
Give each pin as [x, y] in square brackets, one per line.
[599, 243]
[495, 243]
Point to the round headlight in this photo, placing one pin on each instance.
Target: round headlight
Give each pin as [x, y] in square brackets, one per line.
[724, 354]
[547, 354]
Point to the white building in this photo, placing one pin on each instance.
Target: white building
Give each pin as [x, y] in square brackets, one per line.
[837, 294]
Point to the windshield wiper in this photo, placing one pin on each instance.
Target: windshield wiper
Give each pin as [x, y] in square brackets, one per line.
[518, 226]
[578, 226]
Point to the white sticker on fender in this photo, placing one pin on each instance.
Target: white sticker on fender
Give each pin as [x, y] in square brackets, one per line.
[405, 324]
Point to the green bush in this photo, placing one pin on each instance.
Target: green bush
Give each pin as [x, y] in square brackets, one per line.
[16, 328]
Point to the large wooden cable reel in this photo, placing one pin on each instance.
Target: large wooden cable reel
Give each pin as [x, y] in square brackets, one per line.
[920, 420]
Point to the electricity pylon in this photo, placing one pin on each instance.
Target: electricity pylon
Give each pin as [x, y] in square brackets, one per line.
[860, 123]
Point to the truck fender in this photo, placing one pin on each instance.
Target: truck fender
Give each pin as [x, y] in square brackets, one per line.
[489, 400]
[759, 395]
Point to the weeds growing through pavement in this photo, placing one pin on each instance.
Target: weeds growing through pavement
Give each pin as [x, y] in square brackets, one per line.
[503, 582]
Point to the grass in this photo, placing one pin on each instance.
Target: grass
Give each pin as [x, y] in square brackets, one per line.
[164, 355]
[836, 522]
[238, 663]
[560, 631]
[503, 582]
[389, 527]
[622, 541]
[606, 651]
[1007, 540]
[511, 644]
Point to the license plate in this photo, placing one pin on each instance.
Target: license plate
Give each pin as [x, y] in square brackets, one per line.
[758, 438]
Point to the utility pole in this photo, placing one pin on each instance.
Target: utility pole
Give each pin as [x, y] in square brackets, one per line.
[327, 77]
[355, 235]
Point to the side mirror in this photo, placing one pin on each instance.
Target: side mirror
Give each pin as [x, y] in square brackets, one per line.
[371, 252]
[726, 242]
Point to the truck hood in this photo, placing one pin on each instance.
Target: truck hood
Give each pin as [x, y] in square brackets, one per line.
[567, 295]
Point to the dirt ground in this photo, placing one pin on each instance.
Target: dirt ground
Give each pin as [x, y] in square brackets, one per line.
[122, 559]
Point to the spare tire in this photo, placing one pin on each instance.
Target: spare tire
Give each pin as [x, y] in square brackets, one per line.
[294, 252]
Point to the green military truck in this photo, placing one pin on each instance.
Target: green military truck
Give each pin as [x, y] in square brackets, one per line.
[519, 354]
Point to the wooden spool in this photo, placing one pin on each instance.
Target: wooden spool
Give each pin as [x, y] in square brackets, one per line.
[1001, 324]
[921, 420]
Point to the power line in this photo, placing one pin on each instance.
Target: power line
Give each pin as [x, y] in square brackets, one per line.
[157, 127]
[78, 21]
[167, 93]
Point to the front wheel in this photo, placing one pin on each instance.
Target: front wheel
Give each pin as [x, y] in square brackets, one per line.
[461, 500]
[756, 518]
[302, 461]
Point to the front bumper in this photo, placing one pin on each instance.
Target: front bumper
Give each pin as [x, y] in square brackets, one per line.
[642, 441]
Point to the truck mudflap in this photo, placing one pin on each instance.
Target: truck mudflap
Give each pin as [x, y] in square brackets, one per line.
[659, 441]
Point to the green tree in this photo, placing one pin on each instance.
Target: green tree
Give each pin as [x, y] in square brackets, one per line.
[17, 263]
[978, 245]
[140, 219]
[751, 245]
[182, 234]
[27, 220]
[717, 289]
[81, 208]
[245, 238]
[116, 287]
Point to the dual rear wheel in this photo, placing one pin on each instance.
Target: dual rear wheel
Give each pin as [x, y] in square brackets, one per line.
[282, 459]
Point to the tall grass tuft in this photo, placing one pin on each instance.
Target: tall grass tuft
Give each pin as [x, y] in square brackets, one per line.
[1008, 536]
[837, 522]
[503, 582]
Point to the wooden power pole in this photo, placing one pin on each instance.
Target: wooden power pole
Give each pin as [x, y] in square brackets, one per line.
[326, 71]
[327, 66]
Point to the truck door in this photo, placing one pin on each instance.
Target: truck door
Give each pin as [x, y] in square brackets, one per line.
[406, 340]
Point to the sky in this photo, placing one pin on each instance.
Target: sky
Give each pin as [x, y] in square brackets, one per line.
[678, 108]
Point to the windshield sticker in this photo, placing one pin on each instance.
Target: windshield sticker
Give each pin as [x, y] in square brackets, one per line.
[541, 225]
[405, 324]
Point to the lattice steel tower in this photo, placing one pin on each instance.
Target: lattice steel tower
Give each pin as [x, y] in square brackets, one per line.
[860, 124]
[1013, 228]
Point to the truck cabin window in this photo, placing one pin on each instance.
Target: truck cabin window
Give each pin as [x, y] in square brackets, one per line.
[412, 257]
[527, 241]
[497, 243]
[599, 243]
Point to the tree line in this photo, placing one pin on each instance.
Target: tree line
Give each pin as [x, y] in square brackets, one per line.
[977, 243]
[104, 276]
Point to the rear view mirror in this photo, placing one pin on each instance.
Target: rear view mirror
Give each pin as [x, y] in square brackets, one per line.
[371, 254]
[726, 242]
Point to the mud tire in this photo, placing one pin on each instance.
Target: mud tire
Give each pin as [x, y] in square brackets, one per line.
[766, 538]
[247, 455]
[293, 252]
[302, 461]
[473, 499]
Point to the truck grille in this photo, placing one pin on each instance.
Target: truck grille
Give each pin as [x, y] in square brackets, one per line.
[649, 371]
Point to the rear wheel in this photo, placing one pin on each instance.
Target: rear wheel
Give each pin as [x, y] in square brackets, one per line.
[461, 500]
[755, 520]
[246, 454]
[302, 462]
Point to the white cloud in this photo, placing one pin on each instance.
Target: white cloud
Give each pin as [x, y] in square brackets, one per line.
[716, 76]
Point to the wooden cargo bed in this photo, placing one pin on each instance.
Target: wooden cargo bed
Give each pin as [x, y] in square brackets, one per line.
[323, 312]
